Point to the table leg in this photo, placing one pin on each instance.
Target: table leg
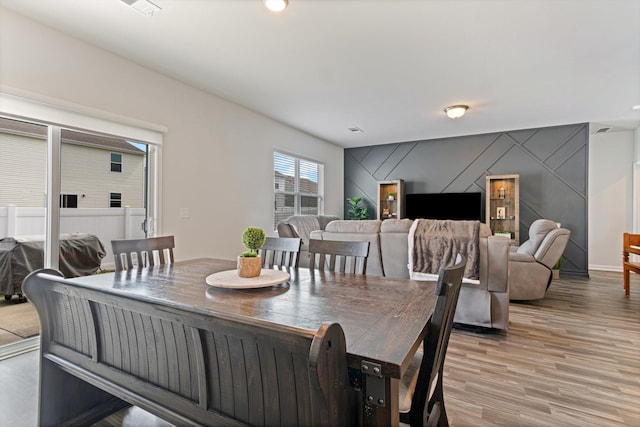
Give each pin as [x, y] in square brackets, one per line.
[387, 415]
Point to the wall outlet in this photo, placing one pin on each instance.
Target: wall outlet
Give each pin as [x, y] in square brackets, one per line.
[185, 213]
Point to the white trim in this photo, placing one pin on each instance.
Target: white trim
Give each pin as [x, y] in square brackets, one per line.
[19, 347]
[635, 198]
[52, 202]
[616, 268]
[21, 104]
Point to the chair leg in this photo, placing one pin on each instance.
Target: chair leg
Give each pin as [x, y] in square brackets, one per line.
[625, 275]
[434, 416]
[437, 413]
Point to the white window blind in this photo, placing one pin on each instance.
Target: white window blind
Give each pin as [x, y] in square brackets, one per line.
[296, 187]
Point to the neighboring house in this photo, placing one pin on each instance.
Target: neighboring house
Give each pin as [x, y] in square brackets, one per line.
[284, 203]
[96, 171]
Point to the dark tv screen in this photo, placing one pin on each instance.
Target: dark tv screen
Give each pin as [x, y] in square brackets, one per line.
[456, 206]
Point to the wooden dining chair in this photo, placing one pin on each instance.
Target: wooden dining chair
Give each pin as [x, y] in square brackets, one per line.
[421, 390]
[280, 252]
[630, 246]
[338, 256]
[133, 253]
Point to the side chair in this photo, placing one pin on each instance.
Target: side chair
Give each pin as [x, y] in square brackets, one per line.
[146, 252]
[338, 256]
[281, 252]
[421, 387]
[630, 246]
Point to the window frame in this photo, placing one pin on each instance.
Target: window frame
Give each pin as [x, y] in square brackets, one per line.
[115, 163]
[113, 199]
[66, 198]
[298, 194]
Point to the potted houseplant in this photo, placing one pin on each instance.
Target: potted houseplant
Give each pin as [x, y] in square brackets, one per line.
[250, 263]
[555, 270]
[356, 210]
[391, 196]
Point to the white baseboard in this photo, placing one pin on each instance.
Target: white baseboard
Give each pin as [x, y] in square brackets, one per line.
[617, 268]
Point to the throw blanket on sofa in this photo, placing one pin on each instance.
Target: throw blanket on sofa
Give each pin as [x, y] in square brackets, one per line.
[434, 244]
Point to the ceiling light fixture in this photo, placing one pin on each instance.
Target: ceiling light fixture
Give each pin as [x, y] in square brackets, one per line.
[144, 7]
[456, 111]
[276, 5]
[635, 107]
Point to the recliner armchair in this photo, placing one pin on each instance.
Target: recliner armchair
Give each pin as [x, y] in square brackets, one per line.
[530, 264]
[301, 226]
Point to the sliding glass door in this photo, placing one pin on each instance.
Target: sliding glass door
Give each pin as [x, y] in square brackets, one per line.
[65, 193]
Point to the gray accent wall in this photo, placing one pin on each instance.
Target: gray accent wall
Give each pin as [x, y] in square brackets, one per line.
[552, 163]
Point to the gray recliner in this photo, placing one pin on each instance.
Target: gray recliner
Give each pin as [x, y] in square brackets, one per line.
[530, 264]
[301, 226]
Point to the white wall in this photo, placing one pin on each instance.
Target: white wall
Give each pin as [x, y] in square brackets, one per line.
[217, 156]
[611, 159]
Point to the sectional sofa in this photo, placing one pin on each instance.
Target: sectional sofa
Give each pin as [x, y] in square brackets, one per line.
[484, 304]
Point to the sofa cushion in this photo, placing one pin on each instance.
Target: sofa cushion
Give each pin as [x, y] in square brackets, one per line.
[323, 220]
[349, 226]
[303, 226]
[396, 225]
[357, 231]
[394, 247]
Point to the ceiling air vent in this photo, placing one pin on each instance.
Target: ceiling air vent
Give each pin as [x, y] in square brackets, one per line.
[602, 130]
[356, 129]
[144, 7]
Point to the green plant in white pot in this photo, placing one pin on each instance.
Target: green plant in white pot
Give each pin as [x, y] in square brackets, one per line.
[250, 263]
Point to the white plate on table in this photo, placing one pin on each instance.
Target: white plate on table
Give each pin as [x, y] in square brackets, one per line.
[230, 279]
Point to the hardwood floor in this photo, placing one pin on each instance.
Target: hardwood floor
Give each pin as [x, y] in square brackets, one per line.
[570, 359]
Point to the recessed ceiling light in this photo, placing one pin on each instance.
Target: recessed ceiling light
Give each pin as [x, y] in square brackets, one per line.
[144, 7]
[276, 5]
[636, 107]
[355, 129]
[456, 111]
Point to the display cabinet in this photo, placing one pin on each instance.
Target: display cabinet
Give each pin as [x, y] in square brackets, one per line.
[390, 199]
[503, 206]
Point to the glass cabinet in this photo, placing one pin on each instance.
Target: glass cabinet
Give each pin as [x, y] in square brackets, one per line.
[503, 206]
[390, 199]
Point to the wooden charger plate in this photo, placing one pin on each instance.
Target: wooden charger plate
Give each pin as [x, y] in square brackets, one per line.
[230, 279]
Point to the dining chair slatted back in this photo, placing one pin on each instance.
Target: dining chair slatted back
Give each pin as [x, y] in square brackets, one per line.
[423, 383]
[338, 256]
[141, 253]
[280, 252]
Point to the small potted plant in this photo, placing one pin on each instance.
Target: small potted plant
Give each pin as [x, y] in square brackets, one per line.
[391, 196]
[250, 263]
[356, 210]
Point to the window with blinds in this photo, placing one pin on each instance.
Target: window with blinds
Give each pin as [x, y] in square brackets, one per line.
[297, 187]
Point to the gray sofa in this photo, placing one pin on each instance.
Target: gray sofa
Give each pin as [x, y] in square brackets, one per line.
[301, 226]
[485, 304]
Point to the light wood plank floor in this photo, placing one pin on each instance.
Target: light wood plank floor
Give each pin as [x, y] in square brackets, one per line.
[570, 359]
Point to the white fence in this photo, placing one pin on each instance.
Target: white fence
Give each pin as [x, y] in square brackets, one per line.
[106, 223]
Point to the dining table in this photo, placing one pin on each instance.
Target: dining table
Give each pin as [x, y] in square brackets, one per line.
[384, 319]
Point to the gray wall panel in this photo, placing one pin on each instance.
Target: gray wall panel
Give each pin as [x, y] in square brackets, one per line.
[552, 163]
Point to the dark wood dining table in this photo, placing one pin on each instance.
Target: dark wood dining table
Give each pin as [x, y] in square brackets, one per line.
[384, 319]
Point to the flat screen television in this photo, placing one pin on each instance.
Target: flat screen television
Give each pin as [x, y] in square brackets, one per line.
[456, 206]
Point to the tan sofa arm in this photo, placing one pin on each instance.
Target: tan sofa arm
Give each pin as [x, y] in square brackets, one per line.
[494, 263]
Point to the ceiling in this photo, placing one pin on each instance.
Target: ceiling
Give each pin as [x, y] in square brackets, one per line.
[389, 67]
